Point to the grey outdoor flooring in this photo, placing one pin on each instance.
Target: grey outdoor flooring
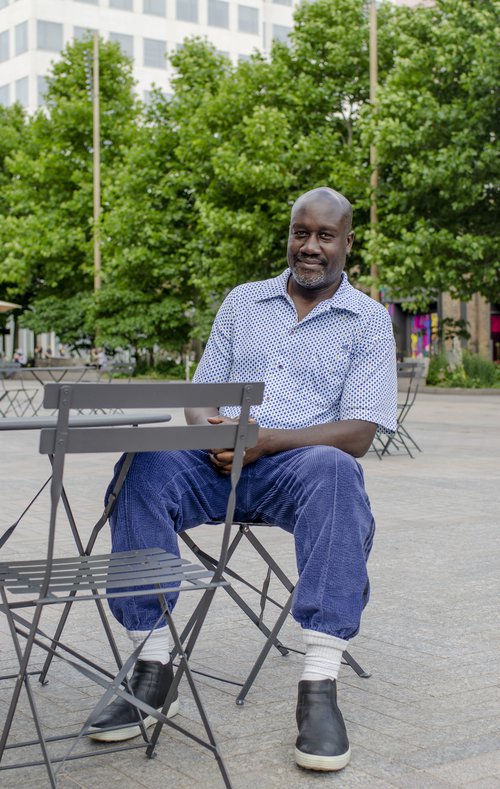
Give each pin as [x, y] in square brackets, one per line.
[430, 714]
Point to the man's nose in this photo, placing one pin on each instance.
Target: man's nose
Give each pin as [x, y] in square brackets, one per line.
[311, 245]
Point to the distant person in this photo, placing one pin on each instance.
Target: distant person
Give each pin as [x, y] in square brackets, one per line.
[38, 352]
[102, 359]
[62, 351]
[20, 357]
[47, 353]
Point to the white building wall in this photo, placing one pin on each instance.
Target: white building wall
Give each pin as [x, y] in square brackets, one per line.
[70, 14]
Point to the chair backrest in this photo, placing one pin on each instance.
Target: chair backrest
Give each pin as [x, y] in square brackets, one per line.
[64, 438]
[410, 375]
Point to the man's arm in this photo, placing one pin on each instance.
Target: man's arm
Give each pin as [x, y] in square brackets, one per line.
[353, 436]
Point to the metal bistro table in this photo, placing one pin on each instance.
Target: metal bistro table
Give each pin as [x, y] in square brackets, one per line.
[23, 400]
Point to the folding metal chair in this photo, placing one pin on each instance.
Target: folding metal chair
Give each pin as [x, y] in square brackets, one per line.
[246, 533]
[410, 375]
[38, 583]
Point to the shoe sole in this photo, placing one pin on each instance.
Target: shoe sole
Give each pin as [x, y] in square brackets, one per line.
[310, 761]
[128, 732]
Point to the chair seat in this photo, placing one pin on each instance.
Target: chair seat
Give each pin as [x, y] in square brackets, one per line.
[148, 571]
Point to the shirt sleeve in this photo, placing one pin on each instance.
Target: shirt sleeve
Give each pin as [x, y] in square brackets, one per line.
[370, 389]
[215, 363]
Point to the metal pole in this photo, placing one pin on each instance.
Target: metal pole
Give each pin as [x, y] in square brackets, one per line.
[374, 291]
[96, 164]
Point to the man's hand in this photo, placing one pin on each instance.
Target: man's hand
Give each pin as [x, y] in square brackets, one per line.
[222, 459]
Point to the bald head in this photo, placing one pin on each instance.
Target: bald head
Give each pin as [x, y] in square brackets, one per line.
[325, 195]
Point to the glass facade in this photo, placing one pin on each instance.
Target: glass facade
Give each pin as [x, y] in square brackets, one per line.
[22, 91]
[155, 52]
[186, 10]
[126, 43]
[281, 33]
[155, 7]
[21, 36]
[248, 19]
[4, 46]
[49, 36]
[218, 13]
[124, 5]
[41, 90]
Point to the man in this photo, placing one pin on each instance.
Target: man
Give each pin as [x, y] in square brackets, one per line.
[326, 353]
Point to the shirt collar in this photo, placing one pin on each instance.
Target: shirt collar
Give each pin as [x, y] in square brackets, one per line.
[345, 297]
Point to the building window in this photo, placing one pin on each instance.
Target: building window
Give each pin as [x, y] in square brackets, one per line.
[22, 89]
[49, 36]
[242, 58]
[187, 10]
[21, 34]
[281, 33]
[283, 2]
[83, 32]
[155, 53]
[155, 7]
[4, 46]
[4, 3]
[248, 19]
[218, 13]
[126, 43]
[92, 2]
[124, 5]
[41, 85]
[5, 95]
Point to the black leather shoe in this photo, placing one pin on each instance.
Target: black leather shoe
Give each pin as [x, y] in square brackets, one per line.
[322, 743]
[150, 682]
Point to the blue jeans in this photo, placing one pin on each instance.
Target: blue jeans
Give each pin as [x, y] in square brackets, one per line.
[315, 493]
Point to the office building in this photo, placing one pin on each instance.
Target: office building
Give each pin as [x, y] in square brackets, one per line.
[33, 32]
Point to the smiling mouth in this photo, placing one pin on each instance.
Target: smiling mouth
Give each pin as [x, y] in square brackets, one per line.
[309, 263]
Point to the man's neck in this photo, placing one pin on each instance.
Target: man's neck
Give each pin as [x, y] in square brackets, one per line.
[305, 299]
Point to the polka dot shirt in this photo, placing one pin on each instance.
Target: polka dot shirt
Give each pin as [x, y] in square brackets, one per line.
[338, 362]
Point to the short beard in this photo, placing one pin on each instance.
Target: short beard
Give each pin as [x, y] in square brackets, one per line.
[308, 281]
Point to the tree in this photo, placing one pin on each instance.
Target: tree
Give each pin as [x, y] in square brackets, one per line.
[255, 136]
[436, 127]
[47, 231]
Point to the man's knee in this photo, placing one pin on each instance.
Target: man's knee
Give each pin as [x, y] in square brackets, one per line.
[324, 461]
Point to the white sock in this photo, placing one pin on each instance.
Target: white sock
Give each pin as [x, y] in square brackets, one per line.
[157, 647]
[323, 655]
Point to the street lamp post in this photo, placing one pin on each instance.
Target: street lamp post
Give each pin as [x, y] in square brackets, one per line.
[374, 291]
[96, 162]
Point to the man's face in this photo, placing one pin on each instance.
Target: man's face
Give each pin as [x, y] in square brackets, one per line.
[318, 244]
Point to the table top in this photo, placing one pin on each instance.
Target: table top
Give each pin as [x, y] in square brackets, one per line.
[98, 420]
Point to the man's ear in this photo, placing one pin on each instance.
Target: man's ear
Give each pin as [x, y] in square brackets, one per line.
[350, 242]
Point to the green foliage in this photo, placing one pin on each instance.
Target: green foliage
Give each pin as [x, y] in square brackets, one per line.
[46, 228]
[473, 372]
[436, 128]
[196, 191]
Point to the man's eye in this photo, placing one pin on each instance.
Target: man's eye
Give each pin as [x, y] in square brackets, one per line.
[300, 234]
[326, 236]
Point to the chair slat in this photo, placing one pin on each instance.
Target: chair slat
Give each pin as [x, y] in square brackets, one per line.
[146, 439]
[157, 395]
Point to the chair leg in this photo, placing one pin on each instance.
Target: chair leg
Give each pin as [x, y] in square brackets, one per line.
[355, 665]
[240, 700]
[23, 679]
[184, 653]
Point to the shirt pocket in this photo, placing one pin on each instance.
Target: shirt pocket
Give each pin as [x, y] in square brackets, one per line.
[326, 373]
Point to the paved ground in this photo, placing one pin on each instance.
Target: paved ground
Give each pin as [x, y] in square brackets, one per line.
[430, 714]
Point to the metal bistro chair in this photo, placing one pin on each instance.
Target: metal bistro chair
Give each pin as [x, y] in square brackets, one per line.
[410, 375]
[246, 533]
[51, 581]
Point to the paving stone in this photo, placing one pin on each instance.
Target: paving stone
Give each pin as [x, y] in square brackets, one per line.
[428, 718]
